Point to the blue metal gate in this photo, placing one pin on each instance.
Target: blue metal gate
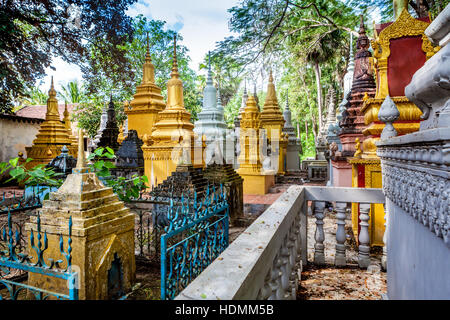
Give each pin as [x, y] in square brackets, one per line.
[195, 235]
[11, 259]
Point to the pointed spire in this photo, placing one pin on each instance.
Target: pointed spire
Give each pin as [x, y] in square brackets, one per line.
[148, 75]
[52, 91]
[287, 100]
[66, 112]
[255, 96]
[271, 97]
[363, 40]
[81, 166]
[351, 47]
[219, 101]
[175, 85]
[147, 54]
[209, 92]
[175, 61]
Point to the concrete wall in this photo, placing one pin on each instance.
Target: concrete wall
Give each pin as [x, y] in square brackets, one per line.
[418, 261]
[14, 136]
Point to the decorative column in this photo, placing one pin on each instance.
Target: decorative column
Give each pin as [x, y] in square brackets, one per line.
[102, 235]
[52, 135]
[319, 248]
[340, 258]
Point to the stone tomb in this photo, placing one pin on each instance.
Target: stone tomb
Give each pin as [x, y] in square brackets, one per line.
[130, 158]
[102, 235]
[233, 183]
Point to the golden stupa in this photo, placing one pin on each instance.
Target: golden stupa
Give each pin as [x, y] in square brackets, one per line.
[256, 179]
[147, 102]
[52, 135]
[272, 121]
[68, 125]
[172, 139]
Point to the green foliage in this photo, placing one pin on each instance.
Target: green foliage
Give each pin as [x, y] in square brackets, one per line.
[38, 175]
[126, 190]
[308, 146]
[33, 32]
[120, 78]
[303, 42]
[34, 96]
[72, 92]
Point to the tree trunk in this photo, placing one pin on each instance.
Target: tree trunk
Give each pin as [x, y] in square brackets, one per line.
[306, 128]
[298, 130]
[319, 92]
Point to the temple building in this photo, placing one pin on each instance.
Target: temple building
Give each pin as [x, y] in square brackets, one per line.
[256, 179]
[400, 49]
[172, 141]
[142, 112]
[211, 123]
[52, 135]
[272, 121]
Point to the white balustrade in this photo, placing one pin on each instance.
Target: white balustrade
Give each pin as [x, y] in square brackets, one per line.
[364, 246]
[340, 258]
[265, 261]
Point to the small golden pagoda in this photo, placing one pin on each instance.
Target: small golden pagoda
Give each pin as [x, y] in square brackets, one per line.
[52, 135]
[400, 48]
[143, 110]
[68, 125]
[272, 121]
[172, 141]
[256, 179]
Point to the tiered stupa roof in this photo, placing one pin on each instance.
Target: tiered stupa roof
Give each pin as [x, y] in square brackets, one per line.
[52, 135]
[174, 121]
[147, 101]
[211, 119]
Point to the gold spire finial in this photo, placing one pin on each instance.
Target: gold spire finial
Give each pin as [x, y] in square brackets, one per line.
[52, 91]
[147, 55]
[66, 112]
[175, 85]
[175, 62]
[270, 76]
[149, 69]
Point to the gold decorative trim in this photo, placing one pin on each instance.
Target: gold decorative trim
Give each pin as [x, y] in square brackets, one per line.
[404, 26]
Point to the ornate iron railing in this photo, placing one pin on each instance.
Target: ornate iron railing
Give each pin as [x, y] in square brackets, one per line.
[31, 198]
[12, 259]
[196, 232]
